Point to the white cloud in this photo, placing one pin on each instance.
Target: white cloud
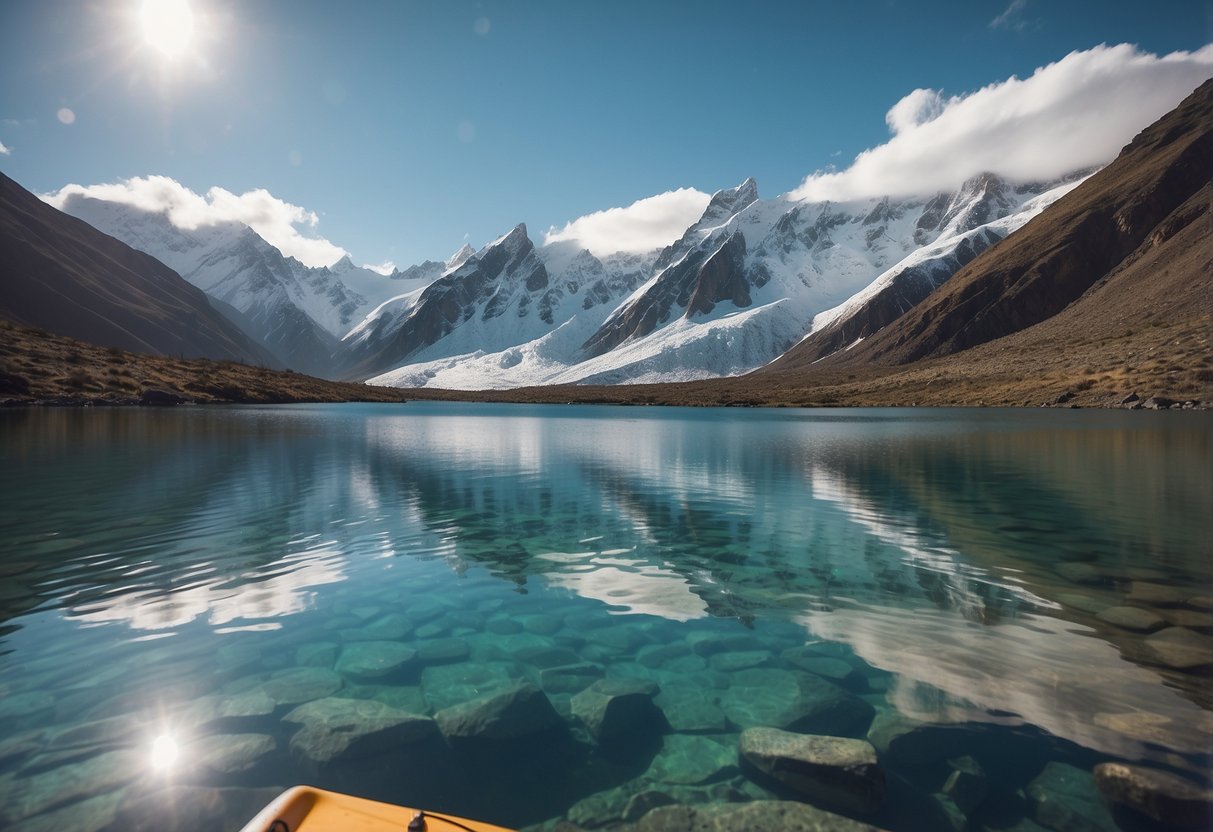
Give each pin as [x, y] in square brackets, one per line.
[914, 110]
[4, 151]
[644, 225]
[275, 220]
[384, 268]
[1075, 113]
[1012, 17]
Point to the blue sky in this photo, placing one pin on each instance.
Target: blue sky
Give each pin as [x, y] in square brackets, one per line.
[408, 126]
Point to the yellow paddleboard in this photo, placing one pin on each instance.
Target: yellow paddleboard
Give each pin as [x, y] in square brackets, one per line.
[305, 809]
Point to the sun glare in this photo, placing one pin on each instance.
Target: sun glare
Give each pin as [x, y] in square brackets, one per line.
[164, 752]
[168, 25]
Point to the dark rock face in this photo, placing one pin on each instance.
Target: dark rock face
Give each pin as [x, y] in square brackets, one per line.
[500, 277]
[703, 278]
[1165, 797]
[516, 712]
[721, 278]
[832, 770]
[723, 205]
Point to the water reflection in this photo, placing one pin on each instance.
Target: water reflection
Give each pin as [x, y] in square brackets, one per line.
[965, 555]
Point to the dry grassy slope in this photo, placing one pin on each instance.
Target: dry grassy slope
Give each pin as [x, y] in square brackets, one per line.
[61, 274]
[36, 365]
[1036, 272]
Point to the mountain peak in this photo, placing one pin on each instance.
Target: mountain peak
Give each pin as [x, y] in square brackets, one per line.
[725, 203]
[460, 257]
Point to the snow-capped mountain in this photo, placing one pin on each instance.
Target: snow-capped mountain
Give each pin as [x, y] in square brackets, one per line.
[299, 313]
[749, 279]
[508, 295]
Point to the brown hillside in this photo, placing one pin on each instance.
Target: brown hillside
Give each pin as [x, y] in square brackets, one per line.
[1038, 271]
[61, 274]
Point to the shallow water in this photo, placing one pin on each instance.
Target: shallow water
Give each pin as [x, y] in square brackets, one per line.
[164, 575]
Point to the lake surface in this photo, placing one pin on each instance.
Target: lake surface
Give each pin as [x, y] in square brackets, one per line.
[242, 599]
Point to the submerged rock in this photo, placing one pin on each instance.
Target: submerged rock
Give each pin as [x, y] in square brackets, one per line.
[1132, 618]
[690, 710]
[837, 771]
[518, 711]
[967, 784]
[189, 808]
[248, 708]
[911, 741]
[369, 661]
[690, 760]
[60, 786]
[783, 815]
[448, 685]
[301, 684]
[793, 701]
[229, 753]
[1165, 797]
[334, 730]
[1064, 799]
[1180, 649]
[620, 712]
[92, 815]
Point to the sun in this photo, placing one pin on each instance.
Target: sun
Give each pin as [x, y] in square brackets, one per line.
[168, 25]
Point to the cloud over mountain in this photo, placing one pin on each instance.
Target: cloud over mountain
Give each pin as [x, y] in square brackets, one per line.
[644, 225]
[277, 221]
[1077, 112]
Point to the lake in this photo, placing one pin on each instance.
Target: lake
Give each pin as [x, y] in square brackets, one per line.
[529, 613]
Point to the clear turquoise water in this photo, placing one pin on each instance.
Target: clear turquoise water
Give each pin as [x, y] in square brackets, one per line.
[951, 563]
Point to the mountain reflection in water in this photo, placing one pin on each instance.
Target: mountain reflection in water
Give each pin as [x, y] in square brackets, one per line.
[962, 553]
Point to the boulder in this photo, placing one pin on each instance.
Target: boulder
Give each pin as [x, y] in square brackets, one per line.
[569, 678]
[335, 730]
[910, 741]
[225, 754]
[391, 627]
[518, 711]
[368, 661]
[690, 760]
[836, 771]
[188, 808]
[967, 785]
[782, 815]
[836, 670]
[793, 701]
[301, 684]
[1156, 595]
[1132, 618]
[442, 651]
[690, 709]
[733, 661]
[620, 712]
[1165, 797]
[452, 684]
[1064, 799]
[1180, 649]
[60, 786]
